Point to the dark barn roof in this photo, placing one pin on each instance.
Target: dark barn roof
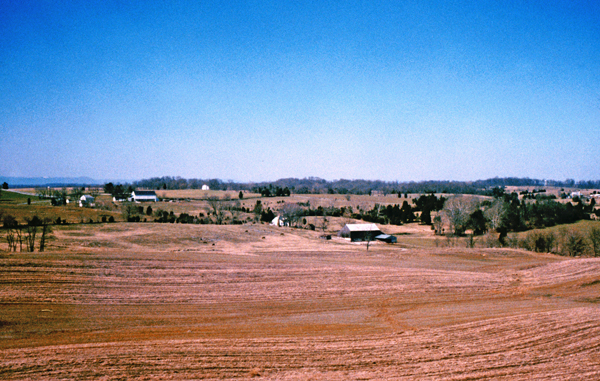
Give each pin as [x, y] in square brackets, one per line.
[144, 193]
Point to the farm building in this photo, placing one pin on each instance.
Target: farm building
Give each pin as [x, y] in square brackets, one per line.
[139, 196]
[386, 238]
[359, 232]
[86, 200]
[205, 187]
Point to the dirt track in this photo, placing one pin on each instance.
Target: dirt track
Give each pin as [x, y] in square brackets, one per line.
[155, 301]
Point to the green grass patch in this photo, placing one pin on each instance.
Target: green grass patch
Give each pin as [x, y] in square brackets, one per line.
[8, 197]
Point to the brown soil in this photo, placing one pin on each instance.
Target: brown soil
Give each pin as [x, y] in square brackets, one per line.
[170, 301]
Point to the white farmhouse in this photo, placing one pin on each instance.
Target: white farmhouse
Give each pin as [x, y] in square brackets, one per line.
[205, 187]
[86, 200]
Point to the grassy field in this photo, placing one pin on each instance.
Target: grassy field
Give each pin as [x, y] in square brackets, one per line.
[171, 301]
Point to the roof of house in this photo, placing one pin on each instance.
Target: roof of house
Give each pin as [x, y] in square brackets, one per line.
[362, 227]
[144, 193]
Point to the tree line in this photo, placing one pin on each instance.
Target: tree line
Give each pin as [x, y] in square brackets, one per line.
[315, 185]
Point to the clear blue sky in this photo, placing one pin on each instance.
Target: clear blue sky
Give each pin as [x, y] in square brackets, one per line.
[260, 90]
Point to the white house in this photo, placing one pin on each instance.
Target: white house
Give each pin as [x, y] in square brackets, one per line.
[205, 187]
[139, 196]
[86, 200]
[280, 221]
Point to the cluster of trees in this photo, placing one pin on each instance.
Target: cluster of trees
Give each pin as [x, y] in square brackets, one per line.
[507, 213]
[168, 182]
[261, 214]
[574, 241]
[293, 213]
[118, 191]
[59, 196]
[18, 234]
[272, 191]
[398, 215]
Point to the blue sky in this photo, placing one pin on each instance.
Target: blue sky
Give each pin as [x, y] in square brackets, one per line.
[261, 90]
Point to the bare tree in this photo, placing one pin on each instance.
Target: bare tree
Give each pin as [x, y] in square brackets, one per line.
[46, 231]
[11, 240]
[324, 221]
[369, 237]
[31, 231]
[13, 232]
[216, 208]
[495, 213]
[438, 225]
[456, 212]
[291, 212]
[19, 237]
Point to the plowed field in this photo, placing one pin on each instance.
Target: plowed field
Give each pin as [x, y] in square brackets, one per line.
[170, 301]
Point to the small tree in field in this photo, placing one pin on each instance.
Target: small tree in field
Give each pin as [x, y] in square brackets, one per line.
[258, 209]
[31, 231]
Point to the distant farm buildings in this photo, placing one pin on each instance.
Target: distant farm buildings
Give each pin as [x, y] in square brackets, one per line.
[205, 187]
[141, 196]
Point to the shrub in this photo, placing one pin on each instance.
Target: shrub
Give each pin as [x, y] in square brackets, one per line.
[594, 236]
[574, 243]
[540, 242]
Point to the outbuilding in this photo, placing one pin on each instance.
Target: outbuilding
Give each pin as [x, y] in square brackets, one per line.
[359, 232]
[386, 238]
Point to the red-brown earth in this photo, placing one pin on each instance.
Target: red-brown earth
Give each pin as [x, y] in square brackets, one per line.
[169, 301]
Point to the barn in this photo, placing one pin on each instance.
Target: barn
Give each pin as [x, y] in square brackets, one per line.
[359, 232]
[139, 196]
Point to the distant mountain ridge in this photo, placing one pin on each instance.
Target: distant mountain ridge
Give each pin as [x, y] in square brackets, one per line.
[16, 182]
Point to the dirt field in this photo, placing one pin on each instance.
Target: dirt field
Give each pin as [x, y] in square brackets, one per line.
[170, 301]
